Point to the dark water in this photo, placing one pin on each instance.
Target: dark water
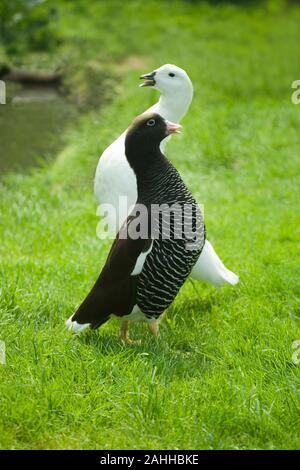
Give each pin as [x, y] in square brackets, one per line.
[32, 124]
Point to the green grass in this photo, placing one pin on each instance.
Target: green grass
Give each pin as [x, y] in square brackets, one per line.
[221, 375]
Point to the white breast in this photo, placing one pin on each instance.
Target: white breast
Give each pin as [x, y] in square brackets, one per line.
[115, 178]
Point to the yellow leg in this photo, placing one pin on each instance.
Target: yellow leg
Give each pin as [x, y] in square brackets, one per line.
[153, 328]
[124, 333]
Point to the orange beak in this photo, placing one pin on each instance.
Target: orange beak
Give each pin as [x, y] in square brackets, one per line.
[173, 128]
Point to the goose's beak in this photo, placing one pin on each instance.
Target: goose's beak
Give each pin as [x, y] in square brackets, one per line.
[173, 128]
[148, 78]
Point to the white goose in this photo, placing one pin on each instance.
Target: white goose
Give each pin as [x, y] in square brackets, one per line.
[115, 179]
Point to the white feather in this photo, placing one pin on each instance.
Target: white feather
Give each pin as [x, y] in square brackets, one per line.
[140, 262]
[75, 327]
[209, 268]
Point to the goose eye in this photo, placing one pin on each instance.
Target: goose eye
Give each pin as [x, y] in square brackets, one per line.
[151, 122]
[171, 74]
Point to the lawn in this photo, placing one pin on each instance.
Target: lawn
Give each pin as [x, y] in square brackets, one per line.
[221, 375]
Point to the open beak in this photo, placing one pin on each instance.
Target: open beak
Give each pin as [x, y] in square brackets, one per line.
[173, 128]
[148, 79]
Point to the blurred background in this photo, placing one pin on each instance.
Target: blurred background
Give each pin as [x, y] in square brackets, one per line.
[222, 375]
[61, 59]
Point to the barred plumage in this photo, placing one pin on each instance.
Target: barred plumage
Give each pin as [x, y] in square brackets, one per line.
[170, 261]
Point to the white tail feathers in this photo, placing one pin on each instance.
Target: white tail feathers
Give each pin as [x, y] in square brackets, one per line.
[75, 327]
[209, 268]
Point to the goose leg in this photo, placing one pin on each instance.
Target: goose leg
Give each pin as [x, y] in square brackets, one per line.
[124, 332]
[154, 328]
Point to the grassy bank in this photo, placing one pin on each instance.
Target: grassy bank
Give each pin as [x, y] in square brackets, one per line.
[221, 375]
